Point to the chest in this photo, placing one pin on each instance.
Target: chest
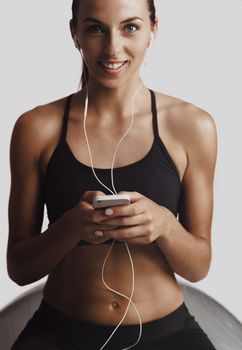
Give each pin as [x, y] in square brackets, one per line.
[103, 141]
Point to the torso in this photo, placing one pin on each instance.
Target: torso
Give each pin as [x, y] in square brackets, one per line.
[75, 286]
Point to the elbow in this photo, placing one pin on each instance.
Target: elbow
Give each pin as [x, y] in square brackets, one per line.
[19, 271]
[194, 276]
[18, 279]
[200, 270]
[15, 273]
[199, 274]
[197, 277]
[20, 276]
[15, 278]
[12, 270]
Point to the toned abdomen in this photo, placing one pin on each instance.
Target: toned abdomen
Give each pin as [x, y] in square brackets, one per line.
[75, 287]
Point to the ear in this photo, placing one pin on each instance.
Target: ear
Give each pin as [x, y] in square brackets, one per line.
[74, 35]
[77, 45]
[154, 29]
[151, 39]
[153, 32]
[72, 28]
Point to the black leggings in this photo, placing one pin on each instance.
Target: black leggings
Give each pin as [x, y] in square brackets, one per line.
[50, 329]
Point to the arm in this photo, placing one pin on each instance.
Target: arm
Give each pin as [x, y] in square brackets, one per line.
[186, 244]
[31, 255]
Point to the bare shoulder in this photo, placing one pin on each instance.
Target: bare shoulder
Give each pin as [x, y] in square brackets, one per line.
[38, 123]
[188, 123]
[188, 132]
[36, 129]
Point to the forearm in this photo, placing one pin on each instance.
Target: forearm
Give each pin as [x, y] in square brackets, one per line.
[30, 259]
[187, 255]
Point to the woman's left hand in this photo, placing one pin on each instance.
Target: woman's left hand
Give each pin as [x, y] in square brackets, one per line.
[140, 222]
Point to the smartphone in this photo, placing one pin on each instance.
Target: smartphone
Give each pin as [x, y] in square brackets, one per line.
[112, 200]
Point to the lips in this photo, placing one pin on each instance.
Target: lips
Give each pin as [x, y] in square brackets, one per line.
[114, 66]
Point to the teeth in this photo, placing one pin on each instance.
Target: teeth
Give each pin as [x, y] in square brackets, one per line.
[113, 65]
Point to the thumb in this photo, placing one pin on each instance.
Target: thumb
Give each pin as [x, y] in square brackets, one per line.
[89, 195]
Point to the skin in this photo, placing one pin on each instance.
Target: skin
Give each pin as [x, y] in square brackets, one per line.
[160, 245]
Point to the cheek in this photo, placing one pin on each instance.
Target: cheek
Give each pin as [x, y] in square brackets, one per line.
[91, 45]
[91, 53]
[91, 48]
[137, 45]
[138, 52]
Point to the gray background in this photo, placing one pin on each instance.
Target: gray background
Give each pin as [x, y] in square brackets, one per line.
[197, 57]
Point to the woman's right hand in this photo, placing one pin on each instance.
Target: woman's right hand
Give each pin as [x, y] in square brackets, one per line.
[83, 217]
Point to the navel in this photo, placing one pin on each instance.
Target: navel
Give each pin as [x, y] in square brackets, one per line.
[115, 305]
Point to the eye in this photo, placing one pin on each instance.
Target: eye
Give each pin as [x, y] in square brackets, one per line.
[131, 28]
[95, 29]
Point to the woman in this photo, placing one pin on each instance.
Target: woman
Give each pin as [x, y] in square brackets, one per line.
[169, 171]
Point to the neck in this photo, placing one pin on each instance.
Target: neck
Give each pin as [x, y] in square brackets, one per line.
[115, 103]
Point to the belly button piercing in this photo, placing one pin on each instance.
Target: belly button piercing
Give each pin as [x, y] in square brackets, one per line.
[115, 305]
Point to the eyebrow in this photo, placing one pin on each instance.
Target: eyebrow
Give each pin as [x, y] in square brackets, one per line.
[125, 21]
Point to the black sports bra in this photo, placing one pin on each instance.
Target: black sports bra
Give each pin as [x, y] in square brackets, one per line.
[66, 179]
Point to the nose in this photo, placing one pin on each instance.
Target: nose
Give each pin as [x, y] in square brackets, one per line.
[113, 44]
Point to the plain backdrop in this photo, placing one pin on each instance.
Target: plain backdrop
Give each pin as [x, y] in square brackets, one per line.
[196, 57]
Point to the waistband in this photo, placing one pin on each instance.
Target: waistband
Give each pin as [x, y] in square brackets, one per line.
[50, 319]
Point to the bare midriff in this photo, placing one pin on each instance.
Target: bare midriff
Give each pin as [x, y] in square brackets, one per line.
[75, 287]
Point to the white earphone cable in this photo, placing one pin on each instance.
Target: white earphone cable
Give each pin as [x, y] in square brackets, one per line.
[115, 192]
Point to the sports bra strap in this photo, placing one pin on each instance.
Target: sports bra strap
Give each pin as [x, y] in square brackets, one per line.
[65, 117]
[154, 114]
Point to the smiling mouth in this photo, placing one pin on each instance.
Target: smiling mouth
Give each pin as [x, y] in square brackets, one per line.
[114, 66]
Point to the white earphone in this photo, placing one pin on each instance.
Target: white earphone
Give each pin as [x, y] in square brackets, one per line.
[129, 298]
[152, 38]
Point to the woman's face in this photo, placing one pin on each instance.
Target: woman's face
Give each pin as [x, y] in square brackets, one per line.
[113, 35]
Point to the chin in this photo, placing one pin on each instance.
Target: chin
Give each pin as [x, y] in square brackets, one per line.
[110, 84]
[118, 82]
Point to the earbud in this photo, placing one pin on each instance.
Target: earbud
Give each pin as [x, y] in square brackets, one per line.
[151, 39]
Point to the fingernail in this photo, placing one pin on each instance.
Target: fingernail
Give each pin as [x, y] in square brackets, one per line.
[98, 233]
[108, 211]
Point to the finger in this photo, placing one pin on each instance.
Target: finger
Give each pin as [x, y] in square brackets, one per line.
[138, 240]
[90, 235]
[87, 211]
[99, 227]
[89, 195]
[126, 220]
[134, 196]
[95, 240]
[134, 209]
[125, 233]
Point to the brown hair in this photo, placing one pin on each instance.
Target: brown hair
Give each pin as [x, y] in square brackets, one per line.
[75, 8]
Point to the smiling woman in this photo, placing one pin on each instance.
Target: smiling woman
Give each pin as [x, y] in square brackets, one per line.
[164, 179]
[75, 12]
